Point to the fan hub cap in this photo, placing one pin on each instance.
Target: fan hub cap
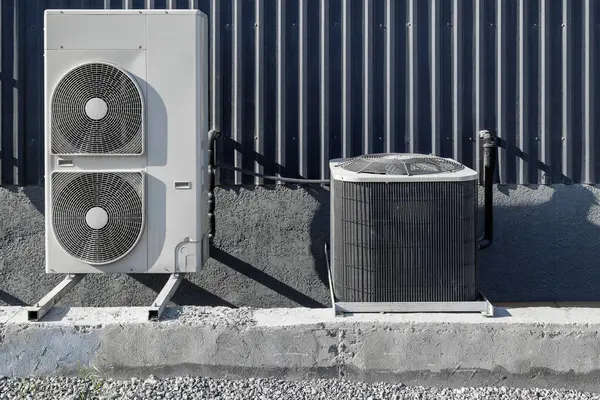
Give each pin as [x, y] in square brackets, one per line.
[96, 218]
[96, 108]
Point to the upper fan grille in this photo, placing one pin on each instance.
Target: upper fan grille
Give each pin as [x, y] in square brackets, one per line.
[97, 217]
[97, 109]
[400, 164]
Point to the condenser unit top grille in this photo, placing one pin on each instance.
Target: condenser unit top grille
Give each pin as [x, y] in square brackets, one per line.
[97, 108]
[97, 217]
[400, 164]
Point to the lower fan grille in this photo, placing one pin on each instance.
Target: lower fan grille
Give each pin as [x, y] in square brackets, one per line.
[97, 217]
[405, 241]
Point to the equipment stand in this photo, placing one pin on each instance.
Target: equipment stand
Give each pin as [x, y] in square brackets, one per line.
[165, 295]
[482, 305]
[40, 309]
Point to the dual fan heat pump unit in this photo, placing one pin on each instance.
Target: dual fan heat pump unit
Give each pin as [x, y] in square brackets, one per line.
[126, 141]
[127, 172]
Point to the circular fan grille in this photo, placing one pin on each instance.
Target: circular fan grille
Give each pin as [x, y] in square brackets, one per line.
[97, 109]
[400, 164]
[97, 217]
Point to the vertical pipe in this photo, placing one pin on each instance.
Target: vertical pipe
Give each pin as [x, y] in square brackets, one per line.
[346, 81]
[567, 89]
[324, 87]
[589, 95]
[18, 93]
[193, 4]
[501, 88]
[215, 73]
[523, 111]
[479, 79]
[490, 150]
[545, 127]
[434, 59]
[150, 4]
[237, 101]
[457, 81]
[106, 4]
[413, 68]
[259, 98]
[127, 4]
[281, 67]
[171, 4]
[368, 76]
[390, 76]
[302, 89]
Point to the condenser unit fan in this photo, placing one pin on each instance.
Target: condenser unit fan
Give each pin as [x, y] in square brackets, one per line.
[98, 217]
[400, 164]
[97, 108]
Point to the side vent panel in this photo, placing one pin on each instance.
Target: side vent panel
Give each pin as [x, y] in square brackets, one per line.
[404, 241]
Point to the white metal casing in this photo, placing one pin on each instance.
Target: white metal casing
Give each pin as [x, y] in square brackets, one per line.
[166, 53]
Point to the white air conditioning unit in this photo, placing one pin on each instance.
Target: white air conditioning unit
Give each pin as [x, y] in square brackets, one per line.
[404, 235]
[126, 139]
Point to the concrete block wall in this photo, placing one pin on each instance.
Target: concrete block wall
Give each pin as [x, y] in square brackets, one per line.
[269, 250]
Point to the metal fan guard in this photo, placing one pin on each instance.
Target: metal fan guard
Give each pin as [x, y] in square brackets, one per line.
[118, 132]
[121, 195]
[400, 164]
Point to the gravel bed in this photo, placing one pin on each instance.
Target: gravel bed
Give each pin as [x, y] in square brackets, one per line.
[205, 388]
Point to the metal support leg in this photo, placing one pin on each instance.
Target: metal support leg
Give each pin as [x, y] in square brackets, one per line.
[164, 297]
[36, 312]
[490, 310]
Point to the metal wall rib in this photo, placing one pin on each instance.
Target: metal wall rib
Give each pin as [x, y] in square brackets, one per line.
[412, 100]
[237, 100]
[303, 88]
[346, 80]
[589, 85]
[523, 90]
[324, 87]
[545, 68]
[294, 83]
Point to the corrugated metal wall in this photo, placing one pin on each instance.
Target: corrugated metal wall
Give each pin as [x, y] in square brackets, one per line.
[297, 82]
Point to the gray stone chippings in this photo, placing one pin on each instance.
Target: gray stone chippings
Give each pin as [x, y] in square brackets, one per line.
[215, 316]
[270, 250]
[96, 387]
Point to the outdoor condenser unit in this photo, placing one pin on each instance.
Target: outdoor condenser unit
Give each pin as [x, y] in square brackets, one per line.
[404, 234]
[126, 141]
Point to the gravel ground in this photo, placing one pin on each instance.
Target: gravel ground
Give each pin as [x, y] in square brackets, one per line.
[204, 388]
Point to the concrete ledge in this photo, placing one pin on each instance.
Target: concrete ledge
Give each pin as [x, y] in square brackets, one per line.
[523, 347]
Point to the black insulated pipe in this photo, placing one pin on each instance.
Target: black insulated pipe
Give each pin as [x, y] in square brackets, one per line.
[490, 155]
[212, 138]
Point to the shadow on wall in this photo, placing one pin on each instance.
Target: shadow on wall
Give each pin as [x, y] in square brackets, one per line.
[319, 234]
[546, 246]
[189, 293]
